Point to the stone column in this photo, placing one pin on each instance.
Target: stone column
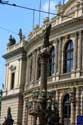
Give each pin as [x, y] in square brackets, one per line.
[6, 76]
[77, 102]
[44, 61]
[62, 63]
[43, 87]
[36, 71]
[27, 71]
[59, 55]
[57, 97]
[57, 44]
[72, 99]
[34, 120]
[82, 47]
[25, 114]
[75, 52]
[60, 108]
[79, 63]
[33, 66]
[30, 68]
[72, 114]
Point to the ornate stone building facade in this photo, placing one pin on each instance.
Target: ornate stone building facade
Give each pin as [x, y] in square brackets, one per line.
[65, 67]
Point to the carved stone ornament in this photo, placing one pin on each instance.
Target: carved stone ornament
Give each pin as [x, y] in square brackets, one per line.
[11, 42]
[46, 36]
[46, 20]
[12, 68]
[36, 27]
[30, 35]
[72, 95]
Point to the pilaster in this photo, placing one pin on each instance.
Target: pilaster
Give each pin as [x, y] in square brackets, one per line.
[72, 114]
[27, 72]
[59, 55]
[36, 71]
[33, 66]
[79, 61]
[28, 68]
[57, 96]
[57, 44]
[25, 114]
[79, 50]
[60, 108]
[6, 76]
[82, 47]
[72, 99]
[77, 102]
[75, 52]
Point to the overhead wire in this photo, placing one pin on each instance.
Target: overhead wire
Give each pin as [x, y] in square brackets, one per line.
[28, 8]
[8, 30]
[31, 9]
[39, 12]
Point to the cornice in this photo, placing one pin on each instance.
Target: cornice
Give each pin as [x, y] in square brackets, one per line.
[34, 41]
[37, 40]
[66, 27]
[18, 95]
[59, 30]
[15, 53]
[68, 23]
[61, 84]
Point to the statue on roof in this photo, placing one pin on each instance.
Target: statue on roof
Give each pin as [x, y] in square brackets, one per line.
[12, 41]
[46, 36]
[20, 34]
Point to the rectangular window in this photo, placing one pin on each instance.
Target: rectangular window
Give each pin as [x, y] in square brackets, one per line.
[12, 80]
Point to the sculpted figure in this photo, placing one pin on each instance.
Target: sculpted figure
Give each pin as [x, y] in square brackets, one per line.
[8, 119]
[46, 36]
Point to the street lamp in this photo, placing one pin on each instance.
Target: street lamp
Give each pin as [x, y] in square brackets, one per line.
[43, 104]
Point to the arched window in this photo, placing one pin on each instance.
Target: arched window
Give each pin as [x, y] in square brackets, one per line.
[51, 66]
[66, 107]
[68, 57]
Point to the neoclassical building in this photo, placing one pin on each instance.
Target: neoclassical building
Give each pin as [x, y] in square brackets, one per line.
[65, 67]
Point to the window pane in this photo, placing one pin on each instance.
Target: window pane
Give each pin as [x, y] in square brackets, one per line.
[68, 66]
[12, 80]
[71, 64]
[68, 61]
[68, 55]
[66, 107]
[71, 55]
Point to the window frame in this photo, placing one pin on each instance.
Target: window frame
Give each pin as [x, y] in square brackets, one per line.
[12, 80]
[68, 57]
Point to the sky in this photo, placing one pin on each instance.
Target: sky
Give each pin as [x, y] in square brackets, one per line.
[12, 19]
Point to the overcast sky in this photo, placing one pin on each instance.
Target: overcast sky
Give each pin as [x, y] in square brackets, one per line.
[12, 18]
